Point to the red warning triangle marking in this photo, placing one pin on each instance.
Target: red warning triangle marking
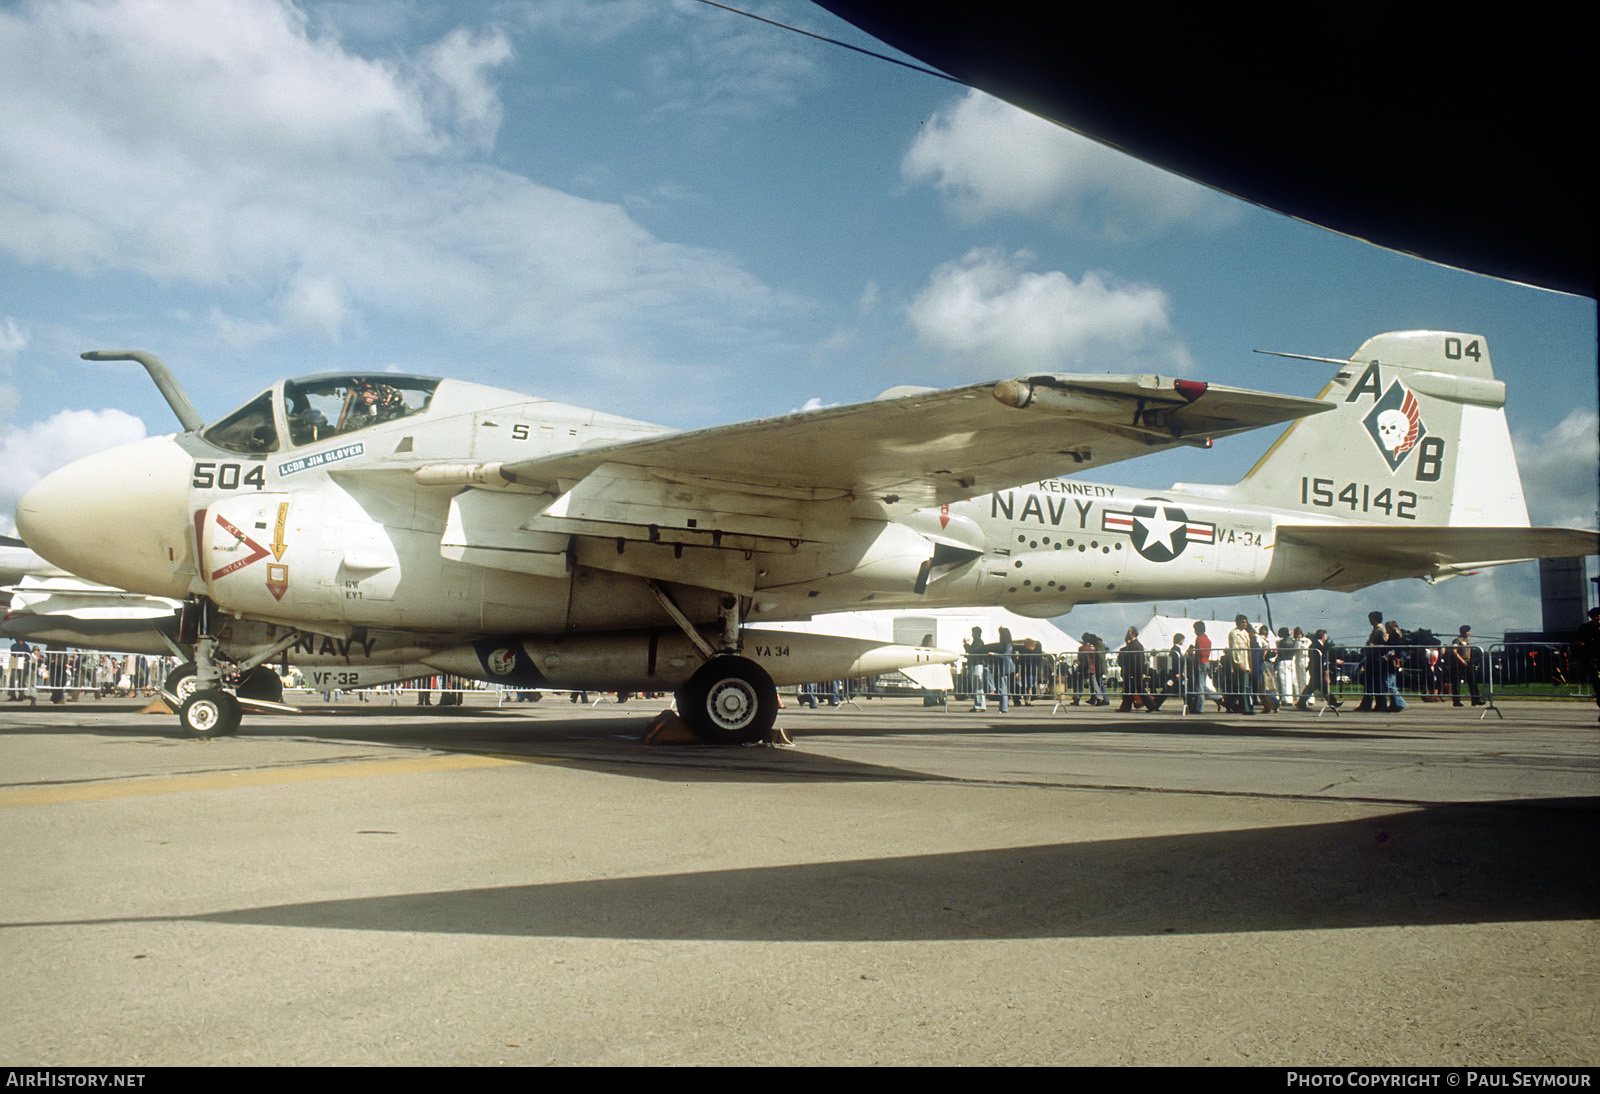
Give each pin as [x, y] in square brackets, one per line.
[257, 552]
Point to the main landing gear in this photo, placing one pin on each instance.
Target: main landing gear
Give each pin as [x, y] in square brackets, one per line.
[730, 700]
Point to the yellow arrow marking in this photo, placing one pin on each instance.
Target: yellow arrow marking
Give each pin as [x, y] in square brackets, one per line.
[278, 546]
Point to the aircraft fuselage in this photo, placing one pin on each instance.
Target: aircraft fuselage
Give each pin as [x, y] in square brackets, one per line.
[336, 533]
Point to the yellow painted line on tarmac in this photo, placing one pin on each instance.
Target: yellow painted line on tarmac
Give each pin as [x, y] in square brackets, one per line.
[227, 780]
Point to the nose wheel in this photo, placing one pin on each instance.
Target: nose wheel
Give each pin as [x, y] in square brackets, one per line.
[179, 684]
[260, 685]
[210, 712]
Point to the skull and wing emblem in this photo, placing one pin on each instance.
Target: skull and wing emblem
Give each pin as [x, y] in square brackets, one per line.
[1395, 424]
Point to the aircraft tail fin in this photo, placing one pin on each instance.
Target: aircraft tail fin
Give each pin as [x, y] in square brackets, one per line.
[1418, 437]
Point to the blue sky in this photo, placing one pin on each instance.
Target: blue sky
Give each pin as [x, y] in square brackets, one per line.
[665, 210]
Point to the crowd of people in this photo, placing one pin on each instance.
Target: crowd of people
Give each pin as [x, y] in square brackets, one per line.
[1251, 669]
[1006, 668]
[1023, 670]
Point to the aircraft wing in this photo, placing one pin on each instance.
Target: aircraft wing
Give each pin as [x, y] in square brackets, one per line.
[1434, 550]
[906, 451]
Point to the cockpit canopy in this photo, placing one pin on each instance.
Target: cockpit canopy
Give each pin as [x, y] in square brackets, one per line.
[317, 408]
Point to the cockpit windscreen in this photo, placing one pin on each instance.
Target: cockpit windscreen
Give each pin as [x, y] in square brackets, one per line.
[323, 407]
[248, 430]
[320, 407]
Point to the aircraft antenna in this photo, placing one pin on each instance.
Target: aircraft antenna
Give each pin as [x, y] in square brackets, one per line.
[1304, 357]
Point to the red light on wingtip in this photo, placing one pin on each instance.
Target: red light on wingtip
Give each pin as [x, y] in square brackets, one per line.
[1190, 389]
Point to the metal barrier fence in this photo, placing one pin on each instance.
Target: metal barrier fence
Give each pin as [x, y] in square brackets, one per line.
[59, 674]
[1539, 669]
[1363, 677]
[70, 675]
[1088, 677]
[1024, 677]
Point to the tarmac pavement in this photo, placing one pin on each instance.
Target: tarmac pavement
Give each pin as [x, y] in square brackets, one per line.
[531, 884]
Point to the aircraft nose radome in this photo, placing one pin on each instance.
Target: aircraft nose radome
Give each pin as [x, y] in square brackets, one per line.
[119, 517]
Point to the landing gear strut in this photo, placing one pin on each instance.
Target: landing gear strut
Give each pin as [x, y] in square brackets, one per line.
[205, 707]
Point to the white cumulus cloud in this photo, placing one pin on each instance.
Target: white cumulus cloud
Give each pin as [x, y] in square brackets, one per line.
[987, 157]
[226, 145]
[12, 338]
[1561, 471]
[988, 308]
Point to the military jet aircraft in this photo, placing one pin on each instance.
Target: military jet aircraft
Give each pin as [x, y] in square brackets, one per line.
[480, 532]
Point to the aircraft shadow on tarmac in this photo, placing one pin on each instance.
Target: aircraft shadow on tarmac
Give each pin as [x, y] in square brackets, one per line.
[612, 741]
[611, 744]
[1202, 725]
[446, 727]
[1450, 864]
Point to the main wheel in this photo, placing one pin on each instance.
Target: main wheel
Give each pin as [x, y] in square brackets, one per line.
[210, 713]
[729, 701]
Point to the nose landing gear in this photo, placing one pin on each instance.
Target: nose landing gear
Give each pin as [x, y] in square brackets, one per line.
[196, 688]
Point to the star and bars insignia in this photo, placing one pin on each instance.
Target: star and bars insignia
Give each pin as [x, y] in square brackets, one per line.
[1159, 531]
